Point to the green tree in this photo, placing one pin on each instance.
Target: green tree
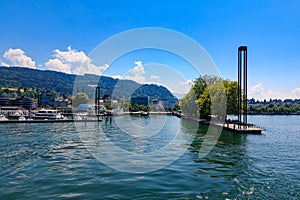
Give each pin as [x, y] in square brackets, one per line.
[209, 94]
[204, 103]
[203, 82]
[231, 89]
[213, 101]
[134, 107]
[80, 98]
[188, 104]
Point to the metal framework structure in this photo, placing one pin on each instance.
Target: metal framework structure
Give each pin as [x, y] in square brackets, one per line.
[242, 83]
[97, 102]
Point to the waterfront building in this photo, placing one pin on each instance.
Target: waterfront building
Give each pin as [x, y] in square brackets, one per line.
[13, 110]
[23, 102]
[4, 101]
[140, 100]
[15, 102]
[60, 102]
[168, 103]
[46, 99]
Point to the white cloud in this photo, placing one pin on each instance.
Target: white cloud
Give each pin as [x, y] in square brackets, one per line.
[188, 83]
[4, 64]
[137, 73]
[260, 93]
[117, 77]
[256, 90]
[73, 61]
[183, 83]
[183, 87]
[18, 58]
[296, 93]
[154, 77]
[57, 65]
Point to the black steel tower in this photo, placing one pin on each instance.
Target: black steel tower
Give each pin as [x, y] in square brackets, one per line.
[242, 83]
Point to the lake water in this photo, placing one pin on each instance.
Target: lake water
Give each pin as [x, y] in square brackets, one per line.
[50, 161]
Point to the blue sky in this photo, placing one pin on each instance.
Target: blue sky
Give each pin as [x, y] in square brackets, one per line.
[34, 33]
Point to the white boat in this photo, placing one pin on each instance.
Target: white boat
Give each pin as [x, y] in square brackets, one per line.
[22, 118]
[118, 111]
[77, 117]
[81, 115]
[3, 118]
[15, 115]
[48, 114]
[143, 113]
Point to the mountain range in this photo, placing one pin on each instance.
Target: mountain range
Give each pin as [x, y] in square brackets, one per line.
[70, 84]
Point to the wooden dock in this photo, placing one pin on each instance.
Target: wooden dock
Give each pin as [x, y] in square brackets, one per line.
[234, 127]
[239, 128]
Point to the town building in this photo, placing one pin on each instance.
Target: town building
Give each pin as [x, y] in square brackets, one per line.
[140, 100]
[13, 110]
[21, 102]
[46, 99]
[60, 102]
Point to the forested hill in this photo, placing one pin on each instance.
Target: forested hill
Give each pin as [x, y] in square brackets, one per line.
[21, 77]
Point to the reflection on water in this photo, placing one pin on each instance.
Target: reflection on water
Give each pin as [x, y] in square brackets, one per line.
[42, 161]
[127, 149]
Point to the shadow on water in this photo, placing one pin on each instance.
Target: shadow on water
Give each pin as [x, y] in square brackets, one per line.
[220, 167]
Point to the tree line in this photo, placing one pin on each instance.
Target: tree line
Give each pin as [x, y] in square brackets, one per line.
[272, 109]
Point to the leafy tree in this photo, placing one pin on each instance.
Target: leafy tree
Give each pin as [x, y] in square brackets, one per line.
[80, 98]
[134, 107]
[210, 94]
[231, 89]
[204, 103]
[144, 108]
[213, 101]
[202, 82]
[188, 104]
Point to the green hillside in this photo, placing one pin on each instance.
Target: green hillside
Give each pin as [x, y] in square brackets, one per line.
[68, 84]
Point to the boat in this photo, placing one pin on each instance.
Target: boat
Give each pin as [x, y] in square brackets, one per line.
[81, 115]
[144, 113]
[48, 114]
[3, 118]
[22, 118]
[118, 111]
[16, 115]
[77, 117]
[135, 113]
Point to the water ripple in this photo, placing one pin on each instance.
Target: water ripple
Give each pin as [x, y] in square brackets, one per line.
[49, 161]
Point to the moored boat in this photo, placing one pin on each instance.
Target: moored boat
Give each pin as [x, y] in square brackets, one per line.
[3, 118]
[22, 118]
[144, 113]
[48, 114]
[118, 111]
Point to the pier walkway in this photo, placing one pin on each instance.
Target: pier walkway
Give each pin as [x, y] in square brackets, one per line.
[240, 128]
[234, 127]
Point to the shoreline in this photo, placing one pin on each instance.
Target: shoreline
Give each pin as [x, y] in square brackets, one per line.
[234, 127]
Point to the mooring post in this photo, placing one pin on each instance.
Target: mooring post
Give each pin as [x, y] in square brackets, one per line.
[97, 102]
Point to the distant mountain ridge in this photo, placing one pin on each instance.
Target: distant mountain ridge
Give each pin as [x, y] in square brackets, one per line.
[22, 77]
